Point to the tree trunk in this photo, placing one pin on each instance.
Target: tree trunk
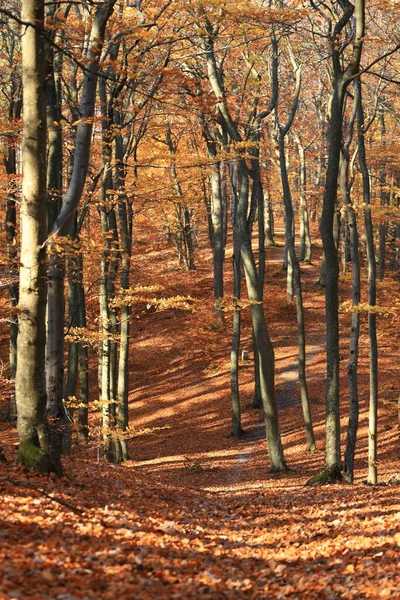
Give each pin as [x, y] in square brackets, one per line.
[332, 451]
[369, 232]
[258, 194]
[264, 346]
[12, 252]
[289, 225]
[35, 445]
[125, 233]
[305, 249]
[350, 226]
[269, 220]
[55, 274]
[342, 78]
[217, 220]
[237, 430]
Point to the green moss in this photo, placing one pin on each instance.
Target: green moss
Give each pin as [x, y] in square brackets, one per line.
[329, 475]
[33, 457]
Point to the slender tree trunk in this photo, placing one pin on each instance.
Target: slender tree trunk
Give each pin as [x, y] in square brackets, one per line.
[353, 242]
[107, 417]
[269, 220]
[12, 252]
[125, 228]
[257, 192]
[217, 220]
[369, 232]
[243, 237]
[385, 201]
[237, 430]
[264, 345]
[55, 274]
[83, 378]
[237, 315]
[35, 446]
[289, 225]
[305, 250]
[342, 78]
[332, 451]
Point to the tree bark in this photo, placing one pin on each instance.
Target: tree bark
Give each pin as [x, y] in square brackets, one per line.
[369, 232]
[35, 445]
[352, 366]
[342, 78]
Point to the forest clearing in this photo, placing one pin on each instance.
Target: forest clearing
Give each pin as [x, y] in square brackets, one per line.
[200, 308]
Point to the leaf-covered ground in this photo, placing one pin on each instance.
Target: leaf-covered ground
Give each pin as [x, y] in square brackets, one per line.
[196, 513]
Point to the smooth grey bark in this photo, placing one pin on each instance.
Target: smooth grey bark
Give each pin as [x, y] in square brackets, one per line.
[305, 249]
[237, 430]
[264, 345]
[352, 366]
[35, 445]
[109, 260]
[269, 220]
[86, 111]
[341, 80]
[293, 260]
[10, 163]
[125, 214]
[332, 451]
[289, 223]
[77, 359]
[373, 342]
[55, 273]
[385, 201]
[243, 238]
[217, 214]
[74, 273]
[257, 199]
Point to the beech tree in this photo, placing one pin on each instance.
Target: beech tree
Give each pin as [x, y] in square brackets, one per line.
[164, 107]
[36, 448]
[342, 77]
[242, 233]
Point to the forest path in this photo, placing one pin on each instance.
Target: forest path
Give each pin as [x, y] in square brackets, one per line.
[185, 421]
[286, 363]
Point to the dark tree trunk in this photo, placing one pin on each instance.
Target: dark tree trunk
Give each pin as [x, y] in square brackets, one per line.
[369, 232]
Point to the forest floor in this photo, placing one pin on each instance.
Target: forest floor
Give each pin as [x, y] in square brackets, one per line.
[195, 513]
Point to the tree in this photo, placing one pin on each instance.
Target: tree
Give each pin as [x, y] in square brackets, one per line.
[36, 449]
[242, 235]
[12, 91]
[342, 76]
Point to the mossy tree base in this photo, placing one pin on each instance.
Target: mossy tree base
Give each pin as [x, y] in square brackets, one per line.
[329, 475]
[36, 459]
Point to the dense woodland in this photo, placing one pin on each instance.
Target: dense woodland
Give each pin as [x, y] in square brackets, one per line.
[201, 209]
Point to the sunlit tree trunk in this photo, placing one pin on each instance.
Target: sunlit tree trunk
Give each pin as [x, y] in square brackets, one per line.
[35, 447]
[305, 249]
[264, 345]
[125, 214]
